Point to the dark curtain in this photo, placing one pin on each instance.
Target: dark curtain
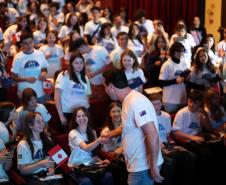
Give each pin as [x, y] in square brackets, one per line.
[170, 11]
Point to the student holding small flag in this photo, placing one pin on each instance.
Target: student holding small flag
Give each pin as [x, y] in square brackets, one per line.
[32, 158]
[83, 143]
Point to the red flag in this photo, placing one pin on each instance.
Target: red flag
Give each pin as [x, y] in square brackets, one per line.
[58, 155]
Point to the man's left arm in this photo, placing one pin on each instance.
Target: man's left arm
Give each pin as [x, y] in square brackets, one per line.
[152, 147]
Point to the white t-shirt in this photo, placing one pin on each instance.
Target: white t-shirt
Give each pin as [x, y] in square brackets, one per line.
[115, 56]
[187, 122]
[115, 31]
[40, 108]
[221, 46]
[7, 35]
[95, 60]
[39, 36]
[2, 171]
[30, 65]
[164, 121]
[109, 44]
[60, 19]
[78, 155]
[91, 27]
[54, 60]
[148, 25]
[176, 93]
[135, 78]
[202, 77]
[24, 155]
[136, 46]
[64, 31]
[4, 133]
[73, 94]
[213, 123]
[137, 111]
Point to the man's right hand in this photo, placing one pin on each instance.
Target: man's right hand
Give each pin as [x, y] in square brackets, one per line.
[155, 174]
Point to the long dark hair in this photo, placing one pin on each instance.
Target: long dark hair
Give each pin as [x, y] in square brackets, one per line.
[199, 65]
[74, 125]
[212, 101]
[71, 72]
[108, 121]
[29, 120]
[76, 26]
[130, 34]
[27, 94]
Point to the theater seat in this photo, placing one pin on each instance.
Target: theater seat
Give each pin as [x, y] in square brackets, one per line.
[54, 122]
[16, 178]
[98, 110]
[11, 95]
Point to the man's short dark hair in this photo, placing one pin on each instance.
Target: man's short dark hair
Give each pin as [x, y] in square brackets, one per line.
[139, 14]
[195, 96]
[26, 35]
[74, 45]
[95, 8]
[117, 77]
[176, 47]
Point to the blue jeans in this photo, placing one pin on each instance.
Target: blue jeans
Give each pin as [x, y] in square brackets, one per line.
[140, 178]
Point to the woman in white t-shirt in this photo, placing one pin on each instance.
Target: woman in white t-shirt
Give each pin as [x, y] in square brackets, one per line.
[106, 39]
[113, 121]
[7, 135]
[203, 73]
[29, 103]
[135, 42]
[40, 34]
[134, 74]
[32, 158]
[83, 143]
[72, 88]
[8, 130]
[71, 24]
[54, 54]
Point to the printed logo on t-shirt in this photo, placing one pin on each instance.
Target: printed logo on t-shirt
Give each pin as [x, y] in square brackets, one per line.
[39, 154]
[78, 89]
[193, 125]
[90, 61]
[161, 127]
[135, 82]
[31, 64]
[178, 72]
[206, 76]
[142, 113]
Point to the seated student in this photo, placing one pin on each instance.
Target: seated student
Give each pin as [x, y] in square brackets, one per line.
[83, 143]
[7, 122]
[5, 164]
[214, 116]
[29, 103]
[7, 134]
[113, 121]
[178, 160]
[112, 150]
[187, 128]
[32, 158]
